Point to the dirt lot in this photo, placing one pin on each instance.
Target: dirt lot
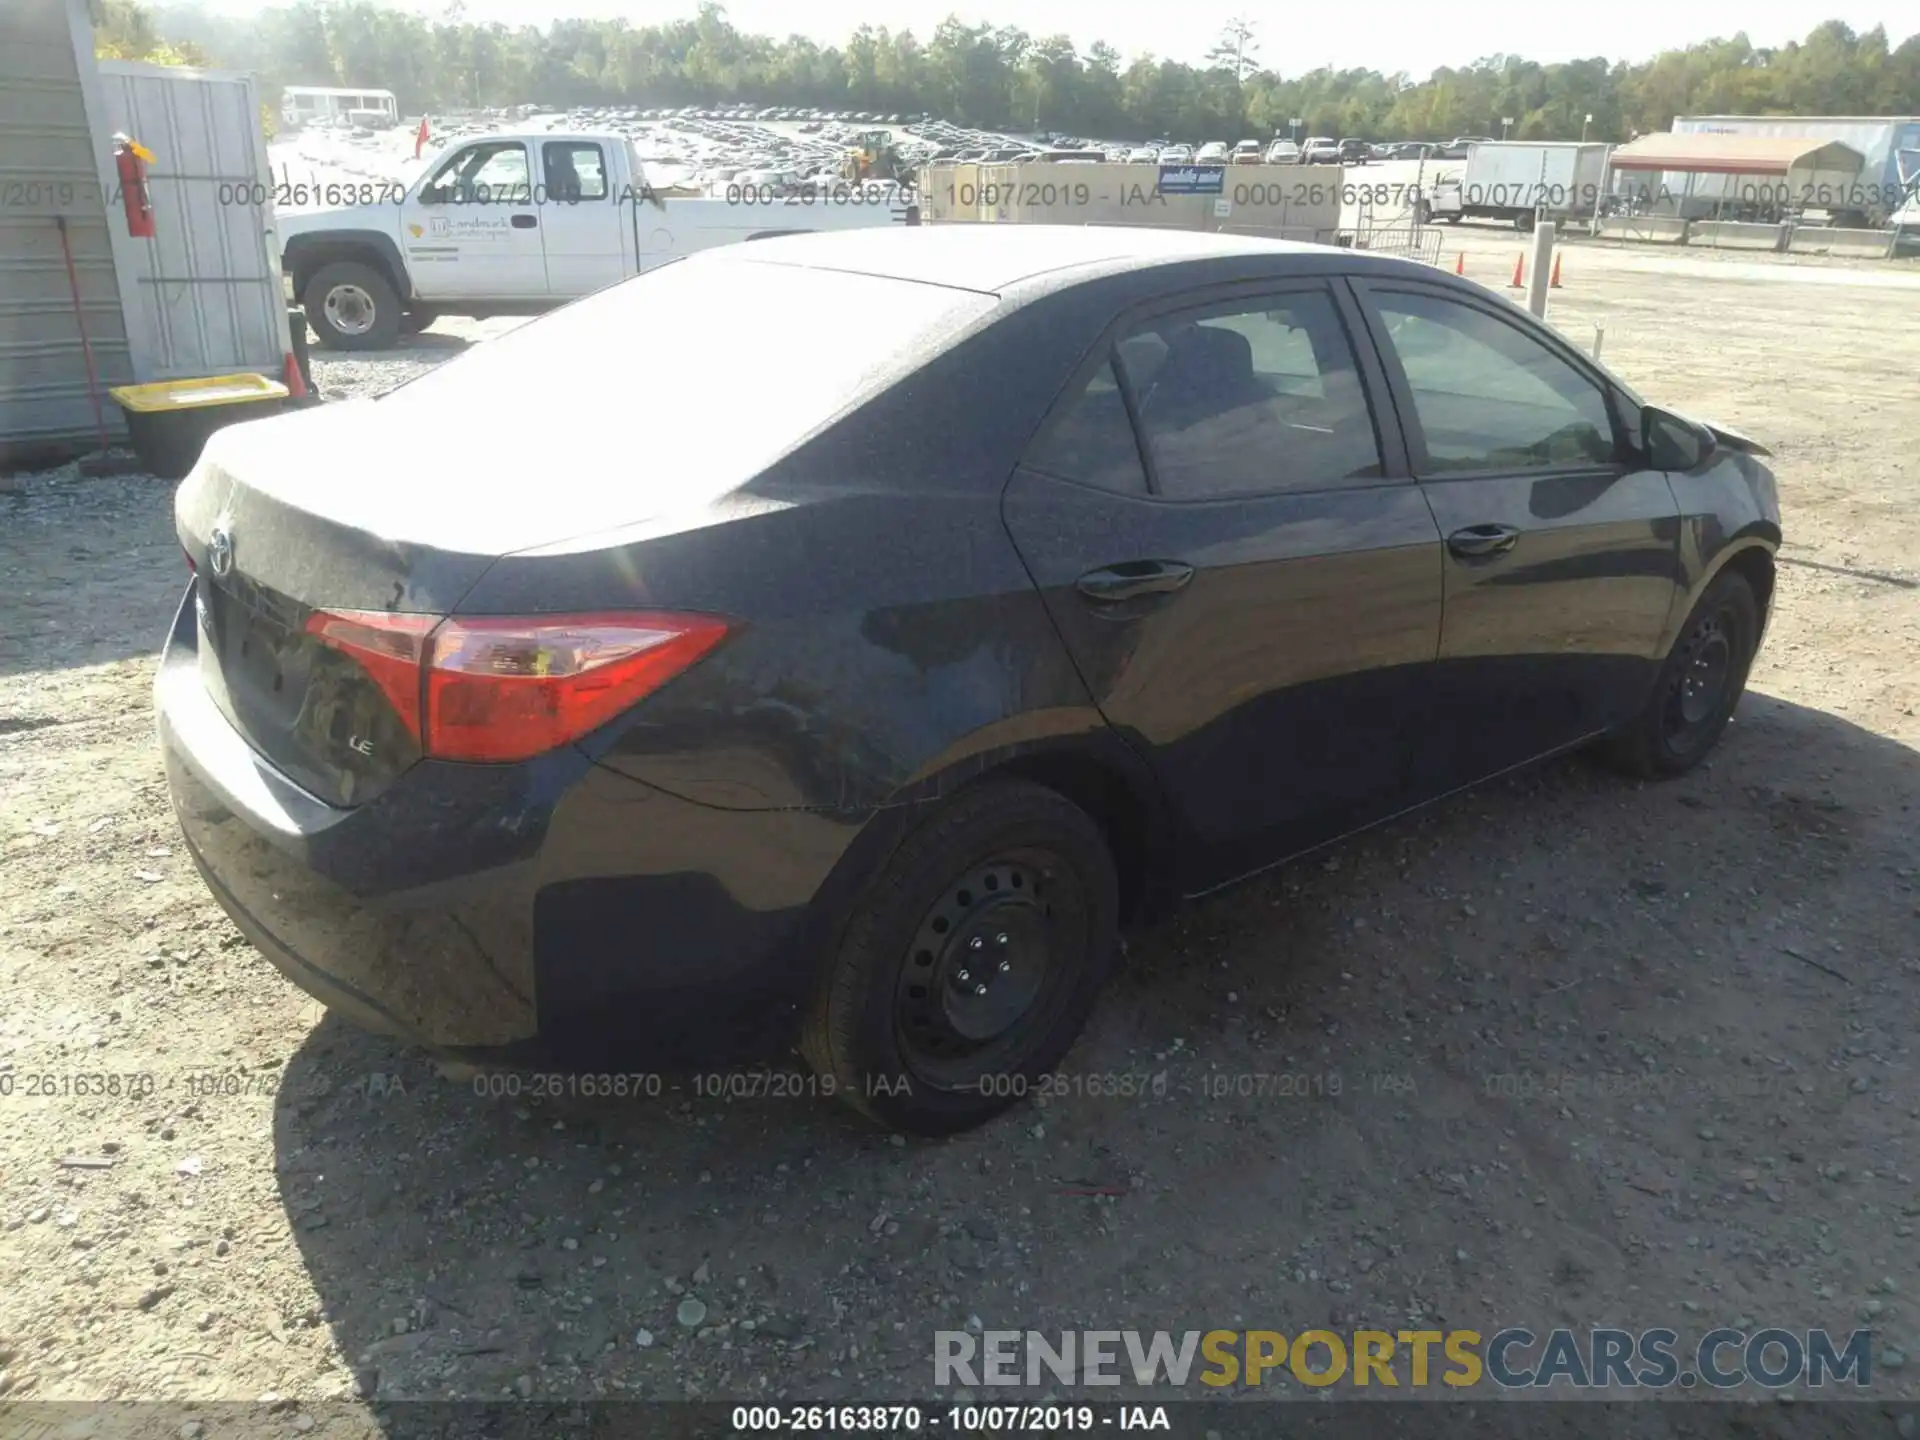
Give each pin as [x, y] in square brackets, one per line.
[1603, 1054]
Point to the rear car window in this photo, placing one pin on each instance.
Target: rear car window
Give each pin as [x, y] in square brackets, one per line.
[702, 372]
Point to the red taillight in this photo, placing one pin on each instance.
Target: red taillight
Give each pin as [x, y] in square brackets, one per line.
[504, 689]
[388, 647]
[497, 688]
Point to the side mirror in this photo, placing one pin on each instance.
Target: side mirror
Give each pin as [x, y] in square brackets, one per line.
[1673, 442]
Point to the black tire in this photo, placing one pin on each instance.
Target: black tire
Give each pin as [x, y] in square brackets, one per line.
[1012, 874]
[1697, 689]
[358, 291]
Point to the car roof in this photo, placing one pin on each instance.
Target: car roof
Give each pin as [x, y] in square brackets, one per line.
[995, 258]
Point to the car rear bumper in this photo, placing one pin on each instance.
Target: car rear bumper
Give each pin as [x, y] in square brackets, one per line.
[553, 912]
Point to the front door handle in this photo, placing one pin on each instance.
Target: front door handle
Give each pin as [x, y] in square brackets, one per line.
[525, 222]
[1131, 579]
[1483, 540]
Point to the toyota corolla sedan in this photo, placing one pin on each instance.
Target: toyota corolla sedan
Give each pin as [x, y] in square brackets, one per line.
[558, 708]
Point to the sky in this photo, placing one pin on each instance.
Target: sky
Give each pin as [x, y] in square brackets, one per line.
[1416, 36]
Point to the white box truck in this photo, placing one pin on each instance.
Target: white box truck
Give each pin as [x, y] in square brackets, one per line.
[1515, 180]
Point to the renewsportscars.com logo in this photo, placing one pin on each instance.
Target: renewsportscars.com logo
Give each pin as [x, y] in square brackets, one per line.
[1512, 1359]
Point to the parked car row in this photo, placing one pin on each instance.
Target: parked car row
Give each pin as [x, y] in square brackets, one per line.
[806, 144]
[781, 112]
[1314, 150]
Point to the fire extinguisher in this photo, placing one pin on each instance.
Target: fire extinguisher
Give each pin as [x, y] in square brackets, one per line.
[131, 158]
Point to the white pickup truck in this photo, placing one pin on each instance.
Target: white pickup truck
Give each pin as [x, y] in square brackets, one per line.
[516, 224]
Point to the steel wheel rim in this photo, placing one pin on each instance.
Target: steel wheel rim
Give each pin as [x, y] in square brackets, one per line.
[1700, 686]
[350, 309]
[968, 1001]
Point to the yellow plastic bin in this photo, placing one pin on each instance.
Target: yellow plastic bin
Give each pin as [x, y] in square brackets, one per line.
[170, 420]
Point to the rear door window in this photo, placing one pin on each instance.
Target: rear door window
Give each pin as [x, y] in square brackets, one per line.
[1256, 396]
[575, 170]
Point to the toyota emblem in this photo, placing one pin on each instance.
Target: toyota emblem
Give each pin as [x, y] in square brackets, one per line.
[220, 552]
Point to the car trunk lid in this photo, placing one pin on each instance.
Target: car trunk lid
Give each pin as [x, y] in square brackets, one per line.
[268, 571]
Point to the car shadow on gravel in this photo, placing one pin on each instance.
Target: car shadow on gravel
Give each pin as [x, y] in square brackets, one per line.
[1305, 1100]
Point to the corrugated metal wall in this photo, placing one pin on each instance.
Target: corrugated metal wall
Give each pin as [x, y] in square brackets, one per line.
[203, 296]
[49, 167]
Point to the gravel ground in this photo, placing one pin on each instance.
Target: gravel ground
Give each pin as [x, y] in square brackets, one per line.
[1569, 1051]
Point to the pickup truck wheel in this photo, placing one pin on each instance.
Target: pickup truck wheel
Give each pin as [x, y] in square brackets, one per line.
[350, 306]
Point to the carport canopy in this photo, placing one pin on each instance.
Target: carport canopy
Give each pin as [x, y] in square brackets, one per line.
[1736, 155]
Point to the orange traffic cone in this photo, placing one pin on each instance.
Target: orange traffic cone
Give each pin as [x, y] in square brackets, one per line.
[1518, 261]
[1460, 263]
[1554, 283]
[296, 383]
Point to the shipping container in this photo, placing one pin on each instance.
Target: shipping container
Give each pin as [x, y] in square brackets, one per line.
[1889, 143]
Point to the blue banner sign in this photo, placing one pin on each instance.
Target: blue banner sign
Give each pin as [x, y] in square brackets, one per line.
[1193, 179]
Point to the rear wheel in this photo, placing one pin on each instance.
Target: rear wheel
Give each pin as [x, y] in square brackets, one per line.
[970, 963]
[351, 306]
[1698, 686]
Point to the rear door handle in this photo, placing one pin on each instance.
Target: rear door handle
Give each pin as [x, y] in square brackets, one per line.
[1483, 540]
[1131, 579]
[525, 222]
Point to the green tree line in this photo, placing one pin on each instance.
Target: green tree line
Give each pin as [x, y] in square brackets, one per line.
[1002, 77]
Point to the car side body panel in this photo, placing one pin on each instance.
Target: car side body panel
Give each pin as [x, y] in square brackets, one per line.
[890, 630]
[1729, 508]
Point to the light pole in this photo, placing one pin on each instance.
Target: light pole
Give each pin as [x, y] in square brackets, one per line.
[1583, 128]
[1293, 129]
[1505, 122]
